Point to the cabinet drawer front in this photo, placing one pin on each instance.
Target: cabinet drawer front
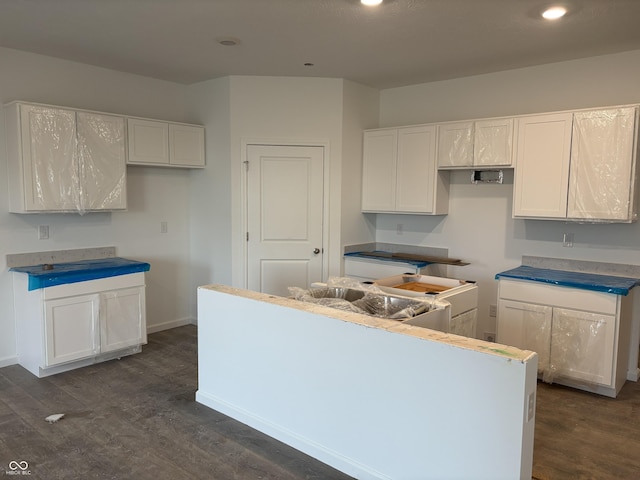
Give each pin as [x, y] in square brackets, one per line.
[94, 286]
[558, 296]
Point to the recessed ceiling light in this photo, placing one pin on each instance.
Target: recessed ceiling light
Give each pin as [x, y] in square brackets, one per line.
[371, 3]
[228, 41]
[553, 13]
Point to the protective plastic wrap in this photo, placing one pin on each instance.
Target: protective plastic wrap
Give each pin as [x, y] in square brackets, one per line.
[77, 159]
[101, 162]
[464, 324]
[456, 145]
[602, 169]
[493, 142]
[53, 157]
[41, 276]
[585, 281]
[578, 347]
[350, 295]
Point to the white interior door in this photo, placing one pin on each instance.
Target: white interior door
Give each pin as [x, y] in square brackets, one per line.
[284, 217]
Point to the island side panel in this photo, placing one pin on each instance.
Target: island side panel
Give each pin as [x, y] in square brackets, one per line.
[369, 401]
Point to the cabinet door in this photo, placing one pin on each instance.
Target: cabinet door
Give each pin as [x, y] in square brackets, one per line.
[379, 170]
[602, 165]
[101, 150]
[493, 143]
[186, 145]
[416, 169]
[49, 158]
[71, 329]
[582, 346]
[526, 326]
[542, 166]
[148, 142]
[455, 145]
[122, 319]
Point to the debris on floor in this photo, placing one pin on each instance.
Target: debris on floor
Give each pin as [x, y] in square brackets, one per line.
[54, 418]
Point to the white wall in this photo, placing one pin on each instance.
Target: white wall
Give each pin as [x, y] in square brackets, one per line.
[211, 189]
[154, 194]
[360, 111]
[287, 109]
[479, 227]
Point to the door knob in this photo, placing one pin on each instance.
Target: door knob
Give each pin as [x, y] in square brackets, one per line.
[316, 251]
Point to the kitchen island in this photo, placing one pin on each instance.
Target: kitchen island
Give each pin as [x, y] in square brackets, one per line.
[374, 398]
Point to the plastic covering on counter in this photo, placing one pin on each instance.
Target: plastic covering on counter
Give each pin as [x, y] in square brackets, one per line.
[602, 165]
[350, 295]
[78, 159]
[585, 281]
[42, 276]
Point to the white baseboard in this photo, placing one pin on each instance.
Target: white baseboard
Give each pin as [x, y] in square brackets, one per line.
[7, 361]
[293, 439]
[172, 324]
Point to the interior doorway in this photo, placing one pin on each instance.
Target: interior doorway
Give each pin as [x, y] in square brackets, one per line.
[285, 217]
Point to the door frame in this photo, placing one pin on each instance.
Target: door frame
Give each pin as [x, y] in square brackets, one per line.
[324, 144]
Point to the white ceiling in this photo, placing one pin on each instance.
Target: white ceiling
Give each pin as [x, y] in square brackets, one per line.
[402, 42]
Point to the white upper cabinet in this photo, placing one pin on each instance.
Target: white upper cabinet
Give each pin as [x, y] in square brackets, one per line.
[62, 160]
[153, 142]
[577, 166]
[148, 142]
[542, 166]
[602, 179]
[479, 144]
[400, 173]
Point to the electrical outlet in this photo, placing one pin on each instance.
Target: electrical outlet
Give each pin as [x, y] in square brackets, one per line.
[567, 240]
[43, 232]
[489, 337]
[164, 227]
[399, 228]
[531, 406]
[493, 310]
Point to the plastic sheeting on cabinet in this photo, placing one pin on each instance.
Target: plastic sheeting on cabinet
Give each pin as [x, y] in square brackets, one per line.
[602, 165]
[76, 159]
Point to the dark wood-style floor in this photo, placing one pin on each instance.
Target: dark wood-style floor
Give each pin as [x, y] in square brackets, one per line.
[136, 418]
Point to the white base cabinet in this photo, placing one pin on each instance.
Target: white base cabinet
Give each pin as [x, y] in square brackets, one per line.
[582, 337]
[67, 326]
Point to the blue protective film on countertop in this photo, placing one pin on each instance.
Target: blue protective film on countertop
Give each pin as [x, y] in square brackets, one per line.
[585, 281]
[83, 270]
[389, 258]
